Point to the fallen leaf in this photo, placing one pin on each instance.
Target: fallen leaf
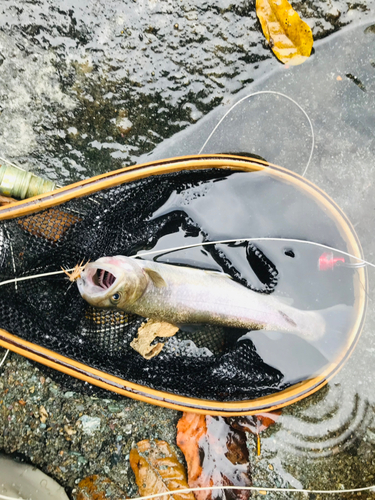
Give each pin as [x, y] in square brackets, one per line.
[216, 455]
[157, 470]
[289, 37]
[148, 332]
[254, 423]
[98, 488]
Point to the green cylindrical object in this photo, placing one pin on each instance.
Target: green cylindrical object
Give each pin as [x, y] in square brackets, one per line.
[18, 183]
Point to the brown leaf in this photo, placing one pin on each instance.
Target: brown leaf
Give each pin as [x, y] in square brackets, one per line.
[148, 332]
[254, 423]
[157, 470]
[289, 37]
[98, 488]
[216, 455]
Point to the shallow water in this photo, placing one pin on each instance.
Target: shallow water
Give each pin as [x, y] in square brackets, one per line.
[263, 205]
[86, 90]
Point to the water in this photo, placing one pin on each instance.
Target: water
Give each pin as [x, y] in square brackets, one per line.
[65, 76]
[265, 204]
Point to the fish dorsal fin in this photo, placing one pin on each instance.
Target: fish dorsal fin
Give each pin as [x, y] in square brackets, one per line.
[157, 280]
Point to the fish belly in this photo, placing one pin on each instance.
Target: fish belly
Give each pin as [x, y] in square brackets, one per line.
[197, 297]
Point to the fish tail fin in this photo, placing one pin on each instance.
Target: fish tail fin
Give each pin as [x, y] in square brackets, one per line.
[336, 321]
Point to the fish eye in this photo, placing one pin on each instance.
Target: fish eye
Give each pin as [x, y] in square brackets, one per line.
[115, 297]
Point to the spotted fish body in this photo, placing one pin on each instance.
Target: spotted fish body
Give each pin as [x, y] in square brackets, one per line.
[186, 296]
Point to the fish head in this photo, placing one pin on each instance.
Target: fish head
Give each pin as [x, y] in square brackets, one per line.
[112, 282]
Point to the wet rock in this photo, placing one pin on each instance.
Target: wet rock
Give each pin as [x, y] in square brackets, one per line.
[79, 67]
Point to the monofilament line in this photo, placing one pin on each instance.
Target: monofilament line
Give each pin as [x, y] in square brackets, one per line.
[12, 164]
[257, 488]
[34, 276]
[274, 93]
[238, 240]
[4, 358]
[202, 244]
[250, 488]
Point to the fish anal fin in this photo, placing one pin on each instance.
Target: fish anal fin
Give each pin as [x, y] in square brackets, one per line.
[155, 277]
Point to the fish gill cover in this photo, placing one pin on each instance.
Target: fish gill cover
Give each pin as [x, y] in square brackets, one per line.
[209, 362]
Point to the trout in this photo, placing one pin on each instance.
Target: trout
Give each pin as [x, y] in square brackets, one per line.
[186, 296]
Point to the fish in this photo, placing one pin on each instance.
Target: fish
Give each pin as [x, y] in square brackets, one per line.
[182, 295]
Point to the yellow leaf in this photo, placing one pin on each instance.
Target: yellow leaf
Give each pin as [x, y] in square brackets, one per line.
[148, 332]
[157, 470]
[289, 37]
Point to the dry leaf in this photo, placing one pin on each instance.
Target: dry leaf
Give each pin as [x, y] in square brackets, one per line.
[216, 455]
[148, 332]
[289, 37]
[157, 470]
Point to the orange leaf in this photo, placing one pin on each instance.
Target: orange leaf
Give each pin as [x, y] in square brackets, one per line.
[216, 455]
[157, 470]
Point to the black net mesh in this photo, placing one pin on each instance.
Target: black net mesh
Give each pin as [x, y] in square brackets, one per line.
[209, 362]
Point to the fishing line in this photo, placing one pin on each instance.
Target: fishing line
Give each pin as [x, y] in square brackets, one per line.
[12, 164]
[256, 488]
[361, 262]
[4, 358]
[250, 488]
[24, 278]
[274, 93]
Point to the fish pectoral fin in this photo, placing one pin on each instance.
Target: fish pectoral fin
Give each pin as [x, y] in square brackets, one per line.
[155, 277]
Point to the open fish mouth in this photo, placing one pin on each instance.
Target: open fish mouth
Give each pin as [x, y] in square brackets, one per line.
[97, 280]
[103, 279]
